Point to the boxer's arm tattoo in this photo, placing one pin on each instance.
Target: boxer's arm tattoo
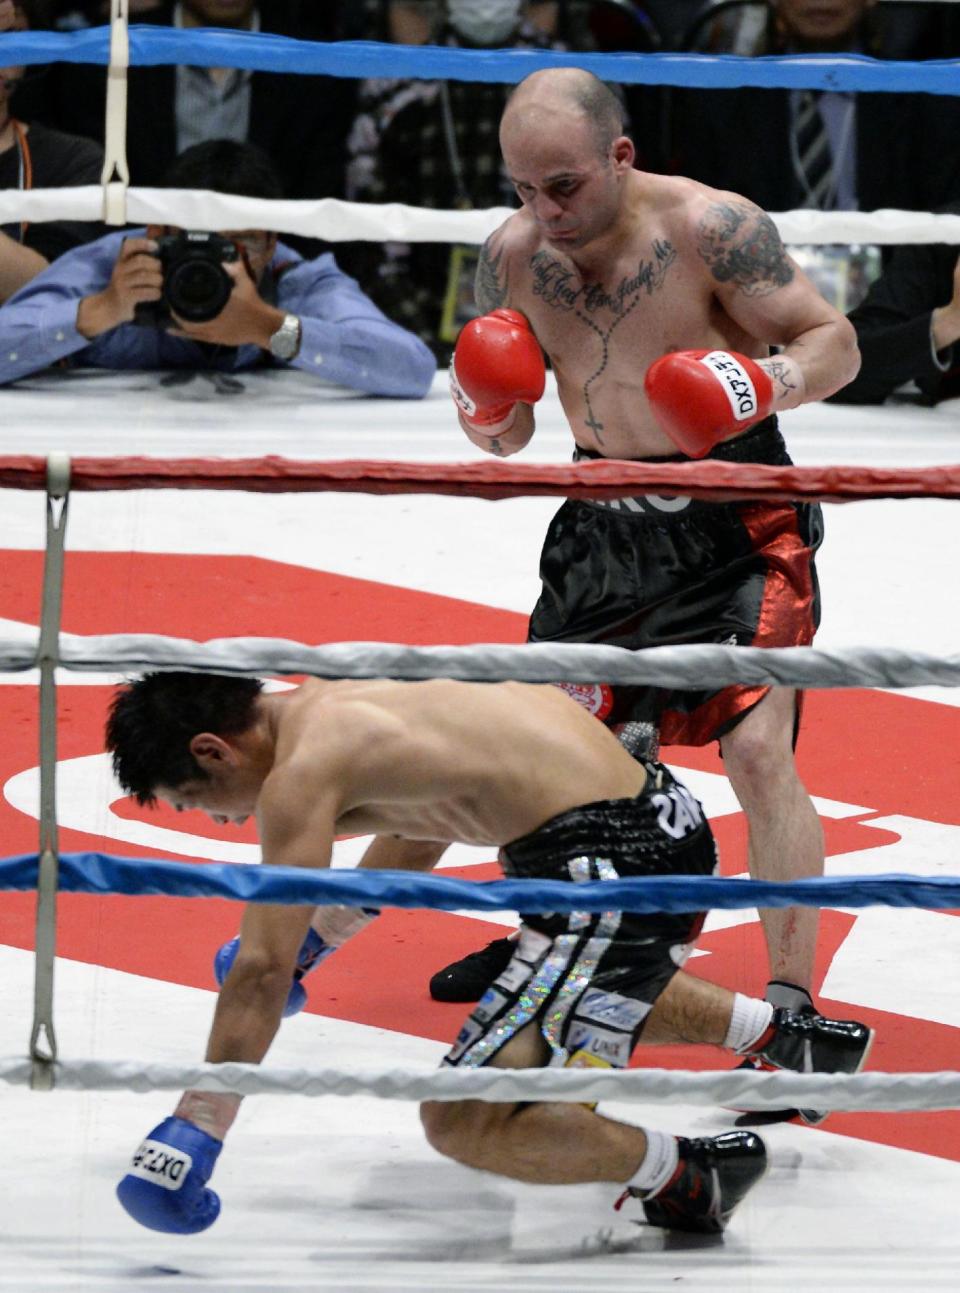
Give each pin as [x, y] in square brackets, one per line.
[741, 245]
[781, 375]
[490, 291]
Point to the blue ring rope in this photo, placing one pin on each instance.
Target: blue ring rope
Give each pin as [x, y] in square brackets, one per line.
[261, 51]
[103, 873]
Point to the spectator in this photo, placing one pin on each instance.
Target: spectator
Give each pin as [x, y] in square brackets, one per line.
[35, 157]
[434, 144]
[831, 151]
[93, 13]
[301, 122]
[307, 314]
[749, 27]
[672, 17]
[908, 325]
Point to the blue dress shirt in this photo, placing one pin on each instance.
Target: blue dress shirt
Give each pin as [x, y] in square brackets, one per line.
[345, 338]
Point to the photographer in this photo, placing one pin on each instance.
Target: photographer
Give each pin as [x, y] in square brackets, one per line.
[227, 303]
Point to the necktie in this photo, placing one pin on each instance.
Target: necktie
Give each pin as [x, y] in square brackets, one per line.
[814, 157]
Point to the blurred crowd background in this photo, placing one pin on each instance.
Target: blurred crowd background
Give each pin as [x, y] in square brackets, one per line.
[434, 143]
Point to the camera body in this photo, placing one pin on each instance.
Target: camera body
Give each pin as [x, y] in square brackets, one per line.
[195, 285]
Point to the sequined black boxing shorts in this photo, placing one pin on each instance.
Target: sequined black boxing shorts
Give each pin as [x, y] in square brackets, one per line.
[659, 570]
[590, 979]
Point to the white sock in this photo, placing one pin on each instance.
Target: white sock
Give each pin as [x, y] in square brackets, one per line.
[659, 1163]
[749, 1020]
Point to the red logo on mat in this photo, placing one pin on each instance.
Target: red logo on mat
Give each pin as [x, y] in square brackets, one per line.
[877, 813]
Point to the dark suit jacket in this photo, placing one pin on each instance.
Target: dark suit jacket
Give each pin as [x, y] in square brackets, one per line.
[301, 122]
[57, 161]
[893, 326]
[906, 147]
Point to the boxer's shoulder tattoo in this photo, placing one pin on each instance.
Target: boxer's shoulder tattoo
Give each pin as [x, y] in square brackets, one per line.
[490, 288]
[741, 245]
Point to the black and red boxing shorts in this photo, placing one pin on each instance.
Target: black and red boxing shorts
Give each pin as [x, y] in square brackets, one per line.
[661, 570]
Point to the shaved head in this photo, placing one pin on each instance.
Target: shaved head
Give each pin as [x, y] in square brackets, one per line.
[570, 91]
[565, 151]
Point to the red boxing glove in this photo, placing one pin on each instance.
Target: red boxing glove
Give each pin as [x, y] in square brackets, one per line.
[700, 396]
[497, 364]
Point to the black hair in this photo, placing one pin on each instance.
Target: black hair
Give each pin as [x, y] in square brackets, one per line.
[225, 166]
[153, 719]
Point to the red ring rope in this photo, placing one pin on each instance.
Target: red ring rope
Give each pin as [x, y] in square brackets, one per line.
[713, 481]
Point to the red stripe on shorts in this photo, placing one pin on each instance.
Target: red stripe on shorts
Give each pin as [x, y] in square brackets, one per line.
[785, 619]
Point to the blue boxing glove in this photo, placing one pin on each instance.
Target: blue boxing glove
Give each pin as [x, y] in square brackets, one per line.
[312, 952]
[166, 1187]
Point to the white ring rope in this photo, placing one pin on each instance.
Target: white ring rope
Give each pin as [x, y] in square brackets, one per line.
[887, 1092]
[688, 665]
[334, 220]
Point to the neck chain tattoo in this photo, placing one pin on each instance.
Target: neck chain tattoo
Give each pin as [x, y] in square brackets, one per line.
[558, 286]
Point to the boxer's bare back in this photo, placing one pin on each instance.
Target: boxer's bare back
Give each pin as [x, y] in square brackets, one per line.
[438, 760]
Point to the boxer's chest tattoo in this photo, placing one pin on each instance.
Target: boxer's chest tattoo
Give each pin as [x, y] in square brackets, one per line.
[600, 308]
[560, 287]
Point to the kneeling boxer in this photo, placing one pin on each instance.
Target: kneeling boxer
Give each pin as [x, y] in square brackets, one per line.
[521, 767]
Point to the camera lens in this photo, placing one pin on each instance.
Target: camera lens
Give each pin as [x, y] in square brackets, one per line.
[197, 289]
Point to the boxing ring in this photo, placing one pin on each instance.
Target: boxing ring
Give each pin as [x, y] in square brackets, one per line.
[345, 1194]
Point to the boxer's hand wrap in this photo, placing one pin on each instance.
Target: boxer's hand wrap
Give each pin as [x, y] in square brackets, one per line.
[497, 364]
[166, 1186]
[700, 396]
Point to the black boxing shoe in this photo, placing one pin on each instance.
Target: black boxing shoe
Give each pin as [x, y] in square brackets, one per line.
[712, 1177]
[469, 978]
[762, 1117]
[804, 1041]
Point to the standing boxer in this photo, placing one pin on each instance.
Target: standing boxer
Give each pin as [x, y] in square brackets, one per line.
[657, 301]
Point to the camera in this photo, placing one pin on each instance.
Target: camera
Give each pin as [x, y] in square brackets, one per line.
[195, 285]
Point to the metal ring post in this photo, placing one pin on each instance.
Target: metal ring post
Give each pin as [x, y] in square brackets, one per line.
[43, 1056]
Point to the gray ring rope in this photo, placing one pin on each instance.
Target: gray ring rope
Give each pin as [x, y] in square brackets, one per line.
[685, 666]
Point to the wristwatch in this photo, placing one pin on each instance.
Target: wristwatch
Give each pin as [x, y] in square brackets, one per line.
[285, 342]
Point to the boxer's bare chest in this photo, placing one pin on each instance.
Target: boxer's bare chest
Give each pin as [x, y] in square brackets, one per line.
[602, 327]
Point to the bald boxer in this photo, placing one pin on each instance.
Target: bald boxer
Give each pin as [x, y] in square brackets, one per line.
[521, 767]
[658, 301]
